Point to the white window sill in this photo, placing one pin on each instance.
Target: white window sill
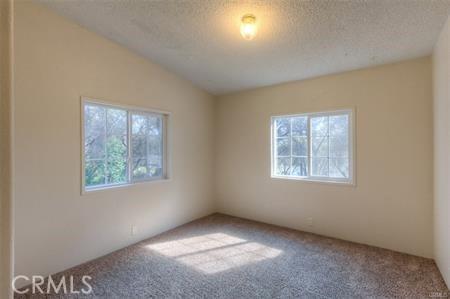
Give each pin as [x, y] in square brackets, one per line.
[349, 183]
[86, 191]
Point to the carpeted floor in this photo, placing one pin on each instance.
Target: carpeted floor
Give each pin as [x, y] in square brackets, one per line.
[226, 257]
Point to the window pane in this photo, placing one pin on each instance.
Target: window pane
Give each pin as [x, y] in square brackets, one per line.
[155, 151]
[147, 168]
[94, 171]
[319, 147]
[319, 126]
[116, 148]
[139, 146]
[320, 167]
[283, 166]
[339, 146]
[155, 166]
[139, 124]
[94, 132]
[117, 122]
[300, 126]
[154, 145]
[283, 147]
[117, 171]
[299, 146]
[154, 125]
[299, 167]
[283, 127]
[147, 142]
[94, 147]
[139, 169]
[339, 125]
[339, 168]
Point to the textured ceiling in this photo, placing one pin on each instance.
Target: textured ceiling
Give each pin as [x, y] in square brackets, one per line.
[200, 39]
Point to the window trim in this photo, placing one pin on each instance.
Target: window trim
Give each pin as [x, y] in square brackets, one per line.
[165, 115]
[351, 181]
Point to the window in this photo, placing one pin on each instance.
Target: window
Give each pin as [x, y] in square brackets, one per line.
[122, 146]
[316, 146]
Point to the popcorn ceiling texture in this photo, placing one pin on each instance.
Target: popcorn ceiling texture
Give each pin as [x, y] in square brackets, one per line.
[200, 40]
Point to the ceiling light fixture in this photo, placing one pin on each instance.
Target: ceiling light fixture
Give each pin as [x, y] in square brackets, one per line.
[248, 26]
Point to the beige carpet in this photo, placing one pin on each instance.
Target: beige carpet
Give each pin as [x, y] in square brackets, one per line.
[226, 257]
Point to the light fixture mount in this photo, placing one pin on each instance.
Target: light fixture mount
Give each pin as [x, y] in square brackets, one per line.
[248, 18]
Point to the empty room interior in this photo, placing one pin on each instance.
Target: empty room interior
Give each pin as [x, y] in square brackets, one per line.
[224, 149]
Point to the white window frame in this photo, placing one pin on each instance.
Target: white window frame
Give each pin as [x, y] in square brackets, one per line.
[352, 148]
[164, 115]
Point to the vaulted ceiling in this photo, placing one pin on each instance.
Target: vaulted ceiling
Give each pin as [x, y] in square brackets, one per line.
[200, 39]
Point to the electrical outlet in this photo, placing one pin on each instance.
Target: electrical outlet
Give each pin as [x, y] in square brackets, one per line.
[310, 221]
[134, 230]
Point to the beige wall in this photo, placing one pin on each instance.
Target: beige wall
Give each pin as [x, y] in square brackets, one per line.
[391, 205]
[56, 63]
[441, 79]
[5, 147]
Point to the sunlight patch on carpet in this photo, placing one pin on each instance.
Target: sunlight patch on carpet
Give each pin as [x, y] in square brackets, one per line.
[213, 253]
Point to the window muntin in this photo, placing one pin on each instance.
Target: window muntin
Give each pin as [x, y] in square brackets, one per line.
[316, 146]
[121, 146]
